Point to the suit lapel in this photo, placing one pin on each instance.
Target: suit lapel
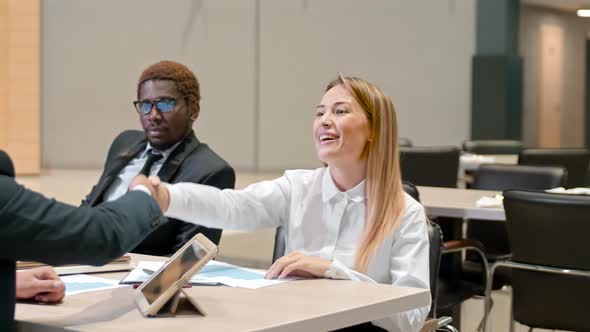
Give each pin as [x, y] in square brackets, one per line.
[114, 168]
[183, 150]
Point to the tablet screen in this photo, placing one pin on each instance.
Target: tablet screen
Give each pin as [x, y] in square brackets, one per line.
[173, 271]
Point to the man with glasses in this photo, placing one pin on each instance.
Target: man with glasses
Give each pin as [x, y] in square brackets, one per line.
[167, 103]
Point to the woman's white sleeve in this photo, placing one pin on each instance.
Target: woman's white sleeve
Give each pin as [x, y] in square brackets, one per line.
[409, 267]
[263, 204]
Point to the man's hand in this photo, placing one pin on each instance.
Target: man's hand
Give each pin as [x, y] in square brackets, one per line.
[298, 264]
[41, 284]
[158, 190]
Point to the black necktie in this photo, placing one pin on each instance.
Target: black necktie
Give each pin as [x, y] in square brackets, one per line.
[152, 158]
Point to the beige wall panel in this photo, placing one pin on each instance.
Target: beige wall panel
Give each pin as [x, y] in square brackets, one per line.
[4, 61]
[24, 7]
[573, 84]
[90, 67]
[28, 88]
[419, 52]
[19, 83]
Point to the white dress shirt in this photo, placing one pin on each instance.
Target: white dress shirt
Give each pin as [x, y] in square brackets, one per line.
[120, 185]
[320, 221]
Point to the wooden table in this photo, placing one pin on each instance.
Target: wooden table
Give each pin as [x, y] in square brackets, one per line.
[458, 203]
[305, 305]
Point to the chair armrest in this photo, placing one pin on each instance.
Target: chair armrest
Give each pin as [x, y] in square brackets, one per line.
[495, 258]
[430, 325]
[455, 245]
[433, 324]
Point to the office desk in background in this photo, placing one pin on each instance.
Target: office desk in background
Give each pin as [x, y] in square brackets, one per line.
[470, 162]
[458, 203]
[305, 305]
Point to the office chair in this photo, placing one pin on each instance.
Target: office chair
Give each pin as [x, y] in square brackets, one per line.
[430, 166]
[493, 146]
[493, 234]
[451, 290]
[435, 323]
[280, 245]
[575, 161]
[548, 234]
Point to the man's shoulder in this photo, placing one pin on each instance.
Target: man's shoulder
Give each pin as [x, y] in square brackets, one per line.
[200, 163]
[206, 157]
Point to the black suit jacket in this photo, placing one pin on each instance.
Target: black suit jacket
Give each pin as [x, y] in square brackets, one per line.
[36, 228]
[191, 161]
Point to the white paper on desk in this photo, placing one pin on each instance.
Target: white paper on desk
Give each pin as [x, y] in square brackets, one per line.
[471, 161]
[490, 202]
[82, 283]
[213, 273]
[572, 191]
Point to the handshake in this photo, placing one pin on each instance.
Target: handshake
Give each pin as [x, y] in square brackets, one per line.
[158, 191]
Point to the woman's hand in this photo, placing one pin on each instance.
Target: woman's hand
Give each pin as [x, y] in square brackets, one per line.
[300, 265]
[41, 284]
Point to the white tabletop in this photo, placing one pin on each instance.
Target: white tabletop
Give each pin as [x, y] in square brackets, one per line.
[305, 305]
[458, 203]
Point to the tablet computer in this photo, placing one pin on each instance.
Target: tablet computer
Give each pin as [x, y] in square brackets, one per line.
[167, 282]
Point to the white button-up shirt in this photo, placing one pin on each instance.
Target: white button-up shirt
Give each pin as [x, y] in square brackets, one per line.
[320, 221]
[120, 185]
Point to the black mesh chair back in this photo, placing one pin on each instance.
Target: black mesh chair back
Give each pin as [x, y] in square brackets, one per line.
[504, 177]
[411, 189]
[435, 238]
[430, 166]
[279, 248]
[575, 161]
[493, 146]
[493, 235]
[549, 230]
[404, 142]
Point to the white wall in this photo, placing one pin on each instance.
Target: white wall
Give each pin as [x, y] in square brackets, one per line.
[574, 68]
[94, 51]
[258, 98]
[419, 52]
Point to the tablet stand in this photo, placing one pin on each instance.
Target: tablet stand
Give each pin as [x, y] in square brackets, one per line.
[180, 304]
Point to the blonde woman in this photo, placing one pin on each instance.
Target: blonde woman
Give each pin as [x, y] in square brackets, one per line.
[348, 220]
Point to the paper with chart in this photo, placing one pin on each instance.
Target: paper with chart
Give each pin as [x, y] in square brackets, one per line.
[82, 283]
[214, 273]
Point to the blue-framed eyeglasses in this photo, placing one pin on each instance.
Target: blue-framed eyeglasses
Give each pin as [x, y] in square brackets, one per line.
[163, 104]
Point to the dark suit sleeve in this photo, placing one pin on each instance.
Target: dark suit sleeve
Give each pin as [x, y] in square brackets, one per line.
[33, 227]
[225, 178]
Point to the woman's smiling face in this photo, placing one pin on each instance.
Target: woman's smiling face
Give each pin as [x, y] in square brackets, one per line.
[341, 129]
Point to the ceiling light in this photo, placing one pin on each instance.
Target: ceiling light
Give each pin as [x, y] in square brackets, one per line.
[583, 12]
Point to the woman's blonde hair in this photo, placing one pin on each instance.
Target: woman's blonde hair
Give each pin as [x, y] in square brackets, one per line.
[384, 191]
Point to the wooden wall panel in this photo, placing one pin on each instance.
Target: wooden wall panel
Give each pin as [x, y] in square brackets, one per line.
[19, 83]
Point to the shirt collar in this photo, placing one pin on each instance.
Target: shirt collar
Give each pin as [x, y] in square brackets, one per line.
[329, 189]
[165, 153]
